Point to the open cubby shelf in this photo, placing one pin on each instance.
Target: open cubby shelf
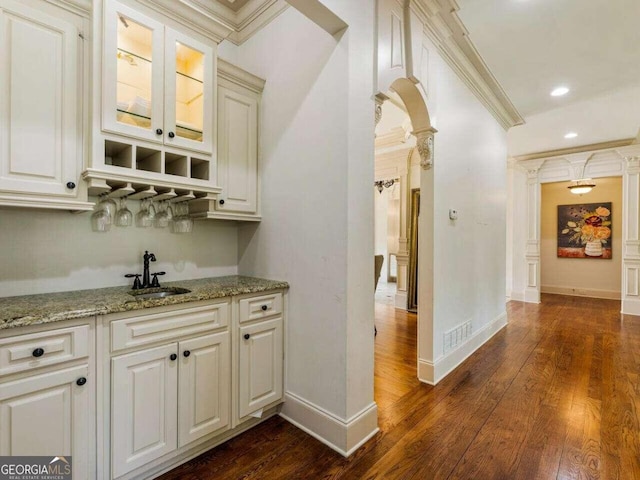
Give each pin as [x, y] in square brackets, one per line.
[156, 160]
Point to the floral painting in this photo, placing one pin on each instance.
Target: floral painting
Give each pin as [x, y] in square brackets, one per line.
[584, 230]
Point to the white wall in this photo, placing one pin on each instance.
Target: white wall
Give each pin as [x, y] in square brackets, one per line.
[469, 174]
[316, 144]
[516, 232]
[52, 251]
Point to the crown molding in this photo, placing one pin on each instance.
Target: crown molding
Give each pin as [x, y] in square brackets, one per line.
[445, 29]
[239, 76]
[191, 15]
[79, 7]
[242, 24]
[569, 151]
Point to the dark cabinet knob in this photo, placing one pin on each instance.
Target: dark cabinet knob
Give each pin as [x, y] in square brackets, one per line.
[171, 134]
[221, 202]
[81, 381]
[71, 185]
[247, 336]
[264, 308]
[158, 131]
[38, 352]
[186, 353]
[173, 357]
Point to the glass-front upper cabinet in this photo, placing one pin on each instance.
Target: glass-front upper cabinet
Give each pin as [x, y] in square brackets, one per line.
[157, 82]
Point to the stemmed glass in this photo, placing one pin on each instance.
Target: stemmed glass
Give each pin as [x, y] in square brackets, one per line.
[102, 218]
[124, 217]
[182, 222]
[164, 216]
[144, 218]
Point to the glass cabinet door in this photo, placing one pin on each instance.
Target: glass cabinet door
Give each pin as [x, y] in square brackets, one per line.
[133, 69]
[188, 92]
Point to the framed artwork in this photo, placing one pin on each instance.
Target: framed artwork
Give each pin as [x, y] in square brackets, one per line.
[584, 230]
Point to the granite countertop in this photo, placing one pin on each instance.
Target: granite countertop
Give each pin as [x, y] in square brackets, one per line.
[55, 307]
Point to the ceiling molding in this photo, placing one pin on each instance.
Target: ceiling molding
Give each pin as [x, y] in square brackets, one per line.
[79, 7]
[568, 151]
[190, 14]
[445, 29]
[244, 23]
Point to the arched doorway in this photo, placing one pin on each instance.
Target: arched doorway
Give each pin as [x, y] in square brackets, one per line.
[413, 99]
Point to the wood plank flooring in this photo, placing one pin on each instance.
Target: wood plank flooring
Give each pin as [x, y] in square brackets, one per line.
[555, 395]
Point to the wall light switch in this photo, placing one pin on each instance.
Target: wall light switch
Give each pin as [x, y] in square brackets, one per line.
[453, 214]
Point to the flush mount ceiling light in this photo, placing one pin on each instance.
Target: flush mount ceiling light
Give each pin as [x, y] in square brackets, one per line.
[578, 187]
[571, 135]
[559, 91]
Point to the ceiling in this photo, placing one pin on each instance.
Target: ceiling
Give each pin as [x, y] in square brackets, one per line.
[590, 46]
[532, 46]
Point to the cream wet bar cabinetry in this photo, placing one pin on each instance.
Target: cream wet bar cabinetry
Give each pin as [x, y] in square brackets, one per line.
[180, 379]
[260, 352]
[237, 146]
[174, 391]
[47, 392]
[134, 388]
[42, 104]
[154, 99]
[158, 83]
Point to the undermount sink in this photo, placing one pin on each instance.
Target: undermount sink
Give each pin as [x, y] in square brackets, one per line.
[159, 292]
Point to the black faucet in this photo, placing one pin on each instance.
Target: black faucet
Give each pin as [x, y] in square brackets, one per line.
[147, 257]
[146, 280]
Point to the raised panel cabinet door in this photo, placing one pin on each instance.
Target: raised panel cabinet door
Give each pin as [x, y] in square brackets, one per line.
[204, 386]
[260, 369]
[237, 151]
[132, 73]
[39, 80]
[189, 92]
[48, 415]
[143, 407]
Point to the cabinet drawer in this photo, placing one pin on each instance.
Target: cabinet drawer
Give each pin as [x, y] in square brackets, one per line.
[145, 329]
[255, 308]
[27, 352]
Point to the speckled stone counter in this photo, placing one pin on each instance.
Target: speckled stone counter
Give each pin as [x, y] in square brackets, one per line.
[55, 307]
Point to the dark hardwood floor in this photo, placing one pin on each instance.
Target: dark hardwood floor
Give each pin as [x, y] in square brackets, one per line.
[554, 395]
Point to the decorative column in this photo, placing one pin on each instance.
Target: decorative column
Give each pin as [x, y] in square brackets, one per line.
[631, 236]
[424, 143]
[532, 250]
[402, 255]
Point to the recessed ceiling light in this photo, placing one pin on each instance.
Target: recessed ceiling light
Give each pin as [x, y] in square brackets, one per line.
[559, 91]
[571, 135]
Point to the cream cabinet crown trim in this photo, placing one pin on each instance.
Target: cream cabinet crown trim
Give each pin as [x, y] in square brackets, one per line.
[239, 76]
[192, 17]
[81, 7]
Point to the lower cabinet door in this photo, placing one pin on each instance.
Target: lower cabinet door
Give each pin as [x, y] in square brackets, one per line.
[48, 415]
[143, 407]
[204, 386]
[260, 369]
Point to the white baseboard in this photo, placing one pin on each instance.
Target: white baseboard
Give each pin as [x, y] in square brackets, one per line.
[630, 306]
[531, 295]
[581, 292]
[401, 300]
[517, 296]
[343, 436]
[432, 372]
